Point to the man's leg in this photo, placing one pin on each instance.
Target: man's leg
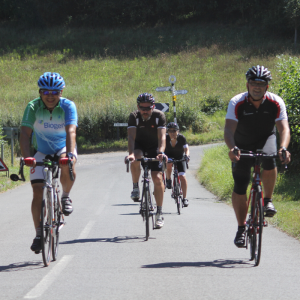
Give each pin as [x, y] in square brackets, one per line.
[67, 185]
[269, 181]
[158, 187]
[240, 206]
[168, 173]
[36, 207]
[159, 195]
[135, 168]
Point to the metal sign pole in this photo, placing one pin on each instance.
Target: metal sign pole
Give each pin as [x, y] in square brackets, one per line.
[172, 80]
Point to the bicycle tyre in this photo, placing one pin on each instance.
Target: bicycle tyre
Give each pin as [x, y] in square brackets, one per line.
[177, 196]
[251, 235]
[46, 230]
[57, 220]
[258, 226]
[147, 212]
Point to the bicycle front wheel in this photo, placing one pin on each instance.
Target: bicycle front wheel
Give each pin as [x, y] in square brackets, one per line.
[57, 221]
[257, 226]
[147, 213]
[177, 195]
[46, 227]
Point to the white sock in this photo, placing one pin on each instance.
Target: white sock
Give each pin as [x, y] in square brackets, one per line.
[64, 194]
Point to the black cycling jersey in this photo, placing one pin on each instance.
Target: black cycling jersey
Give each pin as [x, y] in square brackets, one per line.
[255, 125]
[146, 131]
[176, 152]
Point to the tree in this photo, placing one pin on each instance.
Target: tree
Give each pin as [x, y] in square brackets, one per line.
[292, 10]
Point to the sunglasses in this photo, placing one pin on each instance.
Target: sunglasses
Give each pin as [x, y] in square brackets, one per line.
[172, 131]
[54, 93]
[258, 84]
[145, 108]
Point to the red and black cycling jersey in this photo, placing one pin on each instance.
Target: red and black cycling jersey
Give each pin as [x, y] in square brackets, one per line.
[146, 131]
[255, 124]
[176, 152]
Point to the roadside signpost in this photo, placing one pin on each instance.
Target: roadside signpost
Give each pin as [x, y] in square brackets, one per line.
[172, 80]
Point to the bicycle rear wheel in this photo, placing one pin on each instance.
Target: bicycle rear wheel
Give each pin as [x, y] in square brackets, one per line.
[46, 227]
[57, 221]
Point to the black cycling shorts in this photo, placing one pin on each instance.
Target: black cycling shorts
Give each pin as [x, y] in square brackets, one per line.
[241, 171]
[150, 153]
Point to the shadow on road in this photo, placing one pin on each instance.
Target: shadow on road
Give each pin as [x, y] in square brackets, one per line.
[220, 263]
[22, 266]
[117, 239]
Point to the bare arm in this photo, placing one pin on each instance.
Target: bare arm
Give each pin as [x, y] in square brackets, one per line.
[186, 151]
[230, 128]
[284, 134]
[25, 141]
[161, 135]
[71, 138]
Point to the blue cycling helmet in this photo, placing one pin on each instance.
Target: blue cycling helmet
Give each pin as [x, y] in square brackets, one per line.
[51, 81]
[145, 98]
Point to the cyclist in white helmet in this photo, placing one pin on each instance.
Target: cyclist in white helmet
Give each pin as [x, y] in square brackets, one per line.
[250, 125]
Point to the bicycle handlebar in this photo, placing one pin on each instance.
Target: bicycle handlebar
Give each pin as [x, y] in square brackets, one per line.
[179, 160]
[46, 162]
[146, 160]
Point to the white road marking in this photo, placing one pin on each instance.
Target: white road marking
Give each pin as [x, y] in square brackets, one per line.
[43, 285]
[84, 233]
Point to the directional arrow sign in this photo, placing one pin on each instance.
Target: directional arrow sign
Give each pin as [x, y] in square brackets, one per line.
[181, 92]
[163, 89]
[164, 107]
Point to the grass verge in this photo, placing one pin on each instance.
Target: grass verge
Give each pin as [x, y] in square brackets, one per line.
[215, 174]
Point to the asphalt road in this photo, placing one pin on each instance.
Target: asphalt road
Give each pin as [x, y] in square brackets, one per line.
[103, 254]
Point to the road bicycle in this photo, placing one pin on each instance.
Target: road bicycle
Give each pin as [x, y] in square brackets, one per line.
[147, 203]
[176, 186]
[52, 218]
[256, 219]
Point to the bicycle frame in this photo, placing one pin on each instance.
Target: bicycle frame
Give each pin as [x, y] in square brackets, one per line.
[176, 187]
[147, 206]
[52, 219]
[256, 220]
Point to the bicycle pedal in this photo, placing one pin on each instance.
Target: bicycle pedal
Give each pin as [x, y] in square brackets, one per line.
[266, 224]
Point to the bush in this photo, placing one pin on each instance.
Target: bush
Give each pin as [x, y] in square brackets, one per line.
[213, 104]
[289, 69]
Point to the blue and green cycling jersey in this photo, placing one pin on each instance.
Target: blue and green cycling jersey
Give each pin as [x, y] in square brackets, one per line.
[49, 134]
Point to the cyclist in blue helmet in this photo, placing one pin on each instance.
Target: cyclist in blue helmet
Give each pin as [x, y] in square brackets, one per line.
[50, 122]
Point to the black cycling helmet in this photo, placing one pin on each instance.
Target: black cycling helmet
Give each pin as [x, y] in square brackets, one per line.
[259, 73]
[173, 125]
[145, 98]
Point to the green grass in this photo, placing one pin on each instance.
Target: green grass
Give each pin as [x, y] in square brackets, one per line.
[215, 174]
[105, 70]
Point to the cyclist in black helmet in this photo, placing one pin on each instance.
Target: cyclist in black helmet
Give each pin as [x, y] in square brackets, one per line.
[147, 137]
[250, 125]
[177, 148]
